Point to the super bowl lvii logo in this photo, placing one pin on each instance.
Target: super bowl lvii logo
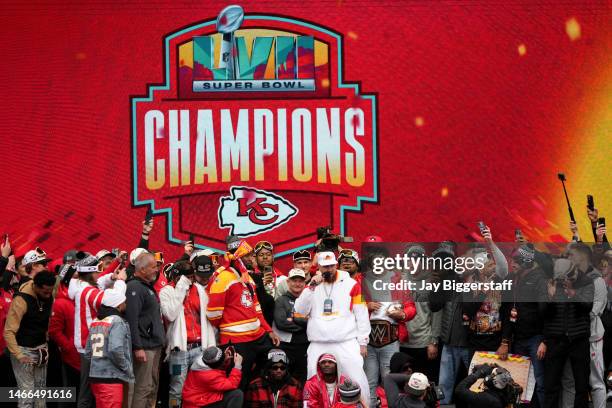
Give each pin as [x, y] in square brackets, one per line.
[253, 132]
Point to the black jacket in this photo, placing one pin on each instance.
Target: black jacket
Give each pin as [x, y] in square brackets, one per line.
[143, 315]
[452, 331]
[569, 317]
[394, 398]
[485, 399]
[526, 298]
[284, 309]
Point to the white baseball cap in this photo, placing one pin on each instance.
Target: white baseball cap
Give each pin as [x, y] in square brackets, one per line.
[205, 252]
[297, 272]
[418, 382]
[326, 258]
[112, 298]
[103, 252]
[136, 253]
[33, 256]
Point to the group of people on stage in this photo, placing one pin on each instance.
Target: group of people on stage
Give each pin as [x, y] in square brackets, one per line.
[233, 329]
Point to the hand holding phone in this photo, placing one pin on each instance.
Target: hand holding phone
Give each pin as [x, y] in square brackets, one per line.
[590, 202]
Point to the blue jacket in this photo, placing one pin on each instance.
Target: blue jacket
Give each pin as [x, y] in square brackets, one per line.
[109, 347]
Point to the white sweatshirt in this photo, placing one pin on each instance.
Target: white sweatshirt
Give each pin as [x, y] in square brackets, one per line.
[349, 316]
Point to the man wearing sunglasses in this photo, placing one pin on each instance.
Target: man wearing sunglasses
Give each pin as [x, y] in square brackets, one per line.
[338, 320]
[348, 260]
[34, 261]
[275, 388]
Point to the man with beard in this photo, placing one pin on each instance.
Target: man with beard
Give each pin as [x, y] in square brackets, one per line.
[234, 308]
[183, 304]
[338, 319]
[569, 301]
[424, 328]
[321, 390]
[484, 310]
[34, 261]
[453, 333]
[349, 261]
[581, 255]
[26, 334]
[523, 324]
[275, 388]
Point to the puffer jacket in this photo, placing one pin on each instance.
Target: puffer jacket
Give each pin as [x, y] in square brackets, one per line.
[570, 317]
[109, 347]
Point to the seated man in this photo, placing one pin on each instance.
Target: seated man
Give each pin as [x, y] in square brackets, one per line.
[350, 395]
[415, 389]
[208, 385]
[498, 390]
[321, 390]
[275, 388]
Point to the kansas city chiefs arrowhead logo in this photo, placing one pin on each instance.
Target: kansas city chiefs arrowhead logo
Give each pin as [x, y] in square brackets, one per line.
[249, 211]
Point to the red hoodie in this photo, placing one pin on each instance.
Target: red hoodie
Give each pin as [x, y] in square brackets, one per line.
[205, 385]
[61, 327]
[315, 390]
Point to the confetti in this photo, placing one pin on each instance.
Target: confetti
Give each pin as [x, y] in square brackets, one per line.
[444, 192]
[161, 132]
[522, 49]
[93, 236]
[325, 83]
[419, 121]
[352, 35]
[572, 28]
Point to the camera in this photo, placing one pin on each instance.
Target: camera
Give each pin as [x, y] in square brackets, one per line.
[433, 394]
[329, 241]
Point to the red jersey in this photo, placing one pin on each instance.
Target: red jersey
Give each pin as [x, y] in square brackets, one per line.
[233, 307]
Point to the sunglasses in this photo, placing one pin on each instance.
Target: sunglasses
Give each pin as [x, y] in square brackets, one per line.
[278, 368]
[263, 245]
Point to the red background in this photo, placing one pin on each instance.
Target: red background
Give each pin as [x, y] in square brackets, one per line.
[469, 128]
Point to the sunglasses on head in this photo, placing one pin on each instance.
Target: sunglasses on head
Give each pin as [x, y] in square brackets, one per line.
[263, 245]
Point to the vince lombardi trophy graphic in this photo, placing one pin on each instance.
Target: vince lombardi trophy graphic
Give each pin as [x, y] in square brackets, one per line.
[228, 21]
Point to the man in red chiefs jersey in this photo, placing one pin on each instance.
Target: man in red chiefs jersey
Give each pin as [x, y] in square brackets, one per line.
[87, 291]
[234, 308]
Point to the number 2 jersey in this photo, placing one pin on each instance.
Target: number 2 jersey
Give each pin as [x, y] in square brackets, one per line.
[109, 346]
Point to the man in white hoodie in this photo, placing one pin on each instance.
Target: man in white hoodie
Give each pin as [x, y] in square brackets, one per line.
[183, 304]
[338, 320]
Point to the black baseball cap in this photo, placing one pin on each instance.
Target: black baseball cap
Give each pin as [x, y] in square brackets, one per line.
[203, 265]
